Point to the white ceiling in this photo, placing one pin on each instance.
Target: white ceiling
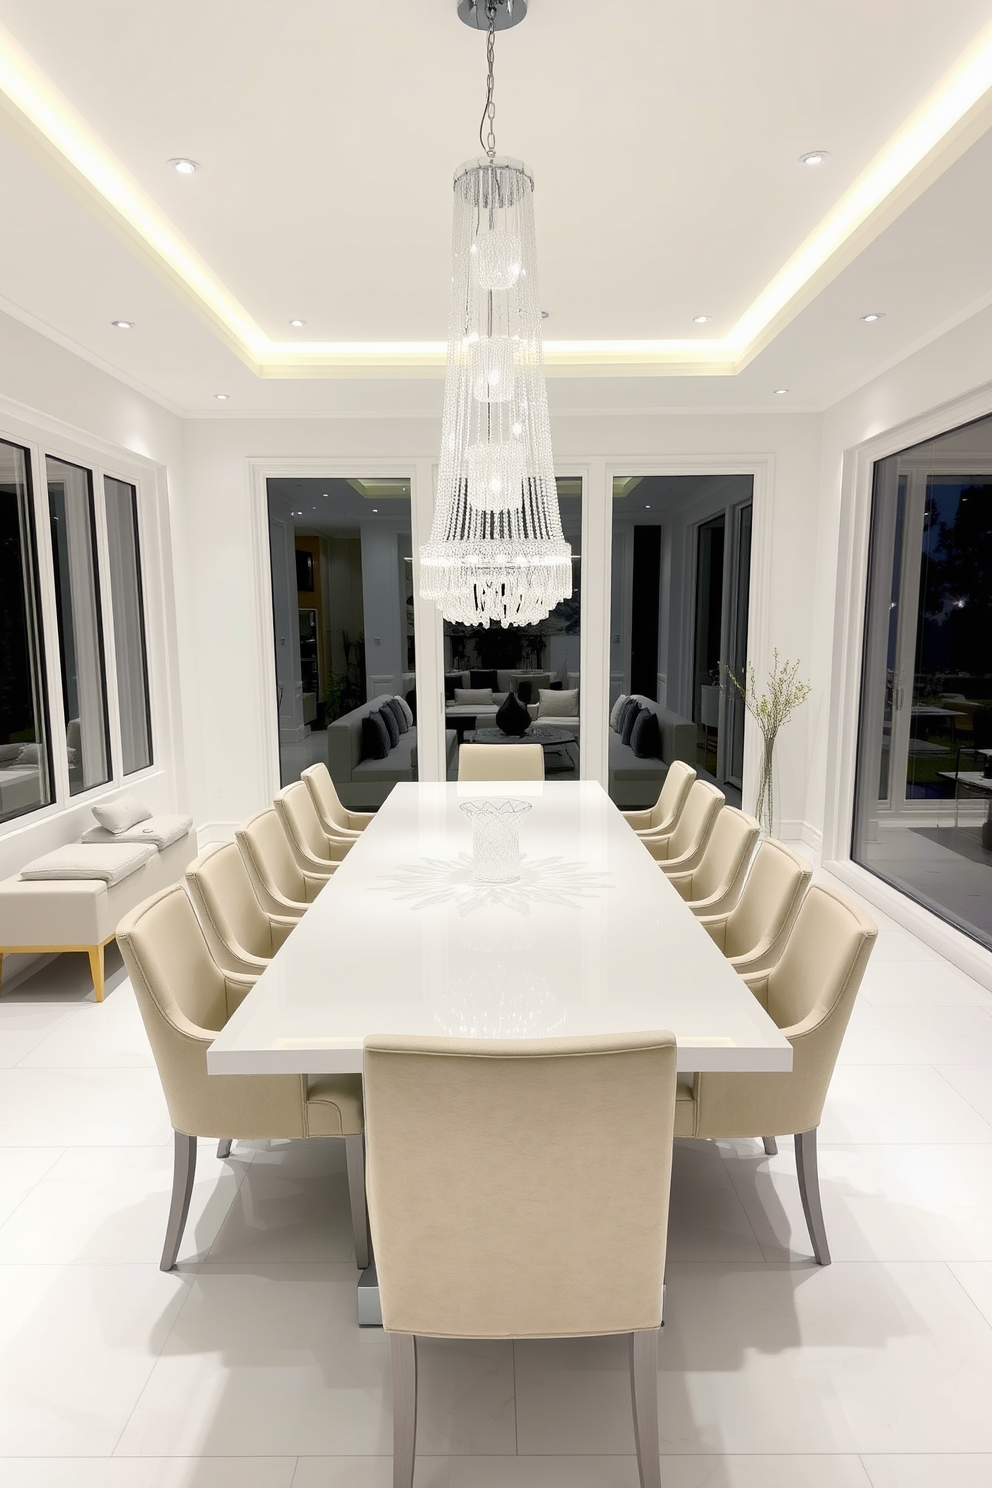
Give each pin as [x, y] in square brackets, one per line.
[664, 139]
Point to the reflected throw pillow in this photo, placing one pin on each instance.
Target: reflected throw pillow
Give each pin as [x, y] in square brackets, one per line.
[395, 706]
[616, 710]
[474, 697]
[645, 737]
[392, 727]
[630, 713]
[558, 704]
[375, 736]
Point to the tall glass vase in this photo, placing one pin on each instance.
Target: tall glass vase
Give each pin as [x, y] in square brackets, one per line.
[765, 808]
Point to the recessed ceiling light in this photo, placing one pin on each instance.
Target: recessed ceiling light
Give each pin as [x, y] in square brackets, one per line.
[184, 167]
[814, 157]
[779, 392]
[873, 315]
[222, 396]
[701, 319]
[123, 325]
[297, 323]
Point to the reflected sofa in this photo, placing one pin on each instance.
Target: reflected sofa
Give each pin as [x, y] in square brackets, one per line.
[635, 783]
[363, 784]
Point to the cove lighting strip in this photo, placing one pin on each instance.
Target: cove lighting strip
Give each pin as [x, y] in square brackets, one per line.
[948, 120]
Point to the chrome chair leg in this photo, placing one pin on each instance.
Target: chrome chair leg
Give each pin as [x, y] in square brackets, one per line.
[183, 1173]
[403, 1366]
[644, 1398]
[770, 1145]
[809, 1189]
[224, 1147]
[354, 1151]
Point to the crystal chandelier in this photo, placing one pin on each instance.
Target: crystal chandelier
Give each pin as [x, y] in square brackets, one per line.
[496, 551]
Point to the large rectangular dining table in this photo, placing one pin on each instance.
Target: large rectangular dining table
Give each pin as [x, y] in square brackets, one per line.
[590, 939]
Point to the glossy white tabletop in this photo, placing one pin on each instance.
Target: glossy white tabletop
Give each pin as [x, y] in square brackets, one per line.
[592, 939]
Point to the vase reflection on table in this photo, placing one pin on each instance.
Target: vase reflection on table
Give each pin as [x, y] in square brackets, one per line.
[495, 838]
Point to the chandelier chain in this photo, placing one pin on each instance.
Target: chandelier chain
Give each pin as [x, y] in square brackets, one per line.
[487, 127]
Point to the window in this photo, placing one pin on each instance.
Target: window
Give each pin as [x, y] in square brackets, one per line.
[25, 766]
[77, 596]
[341, 559]
[129, 624]
[525, 660]
[923, 811]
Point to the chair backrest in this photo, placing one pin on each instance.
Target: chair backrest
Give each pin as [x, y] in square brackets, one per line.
[501, 762]
[232, 918]
[325, 798]
[483, 1228]
[299, 816]
[184, 999]
[771, 896]
[674, 793]
[269, 857]
[698, 815]
[726, 854]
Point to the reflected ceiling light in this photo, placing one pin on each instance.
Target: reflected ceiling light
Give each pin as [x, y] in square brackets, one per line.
[701, 319]
[297, 323]
[222, 397]
[123, 325]
[873, 315]
[814, 157]
[496, 551]
[184, 167]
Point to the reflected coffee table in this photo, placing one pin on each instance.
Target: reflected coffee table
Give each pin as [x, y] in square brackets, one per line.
[548, 736]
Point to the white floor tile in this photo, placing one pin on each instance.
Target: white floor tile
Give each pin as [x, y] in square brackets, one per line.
[899, 1103]
[900, 1203]
[923, 1471]
[976, 1278]
[83, 1108]
[98, 1035]
[842, 1359]
[585, 1472]
[78, 1344]
[110, 1205]
[20, 1169]
[973, 1082]
[292, 1207]
[24, 1025]
[269, 1360]
[912, 983]
[707, 1219]
[917, 1035]
[149, 1472]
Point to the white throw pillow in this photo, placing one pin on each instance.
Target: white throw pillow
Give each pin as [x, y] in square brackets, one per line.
[615, 710]
[558, 704]
[407, 710]
[9, 753]
[29, 754]
[126, 811]
[474, 697]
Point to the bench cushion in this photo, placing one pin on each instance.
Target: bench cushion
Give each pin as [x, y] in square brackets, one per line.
[107, 861]
[159, 831]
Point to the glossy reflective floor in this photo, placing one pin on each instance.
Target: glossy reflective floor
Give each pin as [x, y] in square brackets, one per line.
[245, 1369]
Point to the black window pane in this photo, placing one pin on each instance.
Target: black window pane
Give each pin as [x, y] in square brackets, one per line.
[25, 766]
[77, 590]
[129, 625]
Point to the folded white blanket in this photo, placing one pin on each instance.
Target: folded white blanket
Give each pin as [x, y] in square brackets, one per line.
[78, 860]
[160, 831]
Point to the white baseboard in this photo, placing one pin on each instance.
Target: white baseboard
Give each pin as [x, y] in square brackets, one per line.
[219, 831]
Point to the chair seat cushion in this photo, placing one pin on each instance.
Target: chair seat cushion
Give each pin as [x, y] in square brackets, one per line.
[107, 861]
[334, 1106]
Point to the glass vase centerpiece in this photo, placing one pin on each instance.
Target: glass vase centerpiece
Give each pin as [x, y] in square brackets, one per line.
[495, 839]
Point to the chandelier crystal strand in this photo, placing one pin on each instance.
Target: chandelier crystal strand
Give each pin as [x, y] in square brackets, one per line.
[496, 551]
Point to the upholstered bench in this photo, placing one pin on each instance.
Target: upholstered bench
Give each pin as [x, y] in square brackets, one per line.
[42, 914]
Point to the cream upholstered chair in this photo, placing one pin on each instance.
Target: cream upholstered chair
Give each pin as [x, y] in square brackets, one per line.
[312, 848]
[716, 881]
[281, 885]
[753, 934]
[241, 937]
[809, 993]
[660, 818]
[501, 762]
[481, 1231]
[185, 999]
[682, 848]
[336, 820]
